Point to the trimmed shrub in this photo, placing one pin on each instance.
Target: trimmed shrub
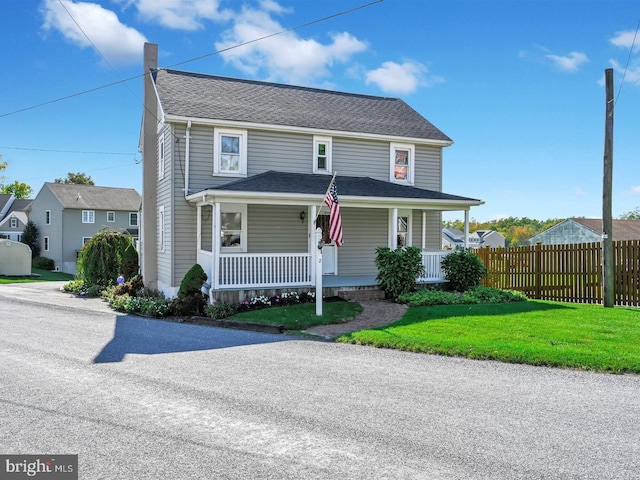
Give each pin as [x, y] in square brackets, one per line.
[398, 270]
[220, 310]
[475, 295]
[463, 269]
[105, 257]
[42, 263]
[190, 299]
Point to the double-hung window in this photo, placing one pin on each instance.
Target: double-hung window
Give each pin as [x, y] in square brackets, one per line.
[230, 152]
[13, 223]
[233, 228]
[111, 217]
[47, 217]
[133, 219]
[161, 157]
[322, 154]
[402, 163]
[88, 216]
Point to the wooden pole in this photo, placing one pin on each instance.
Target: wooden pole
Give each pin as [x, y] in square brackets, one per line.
[607, 184]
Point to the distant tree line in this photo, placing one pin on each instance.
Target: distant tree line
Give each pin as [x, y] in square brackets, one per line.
[516, 230]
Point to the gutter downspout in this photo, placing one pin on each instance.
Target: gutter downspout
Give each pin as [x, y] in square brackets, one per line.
[186, 159]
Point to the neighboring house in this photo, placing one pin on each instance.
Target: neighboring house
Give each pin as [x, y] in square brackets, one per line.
[13, 216]
[235, 173]
[68, 215]
[586, 230]
[453, 238]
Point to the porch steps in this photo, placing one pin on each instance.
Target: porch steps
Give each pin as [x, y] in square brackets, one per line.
[361, 294]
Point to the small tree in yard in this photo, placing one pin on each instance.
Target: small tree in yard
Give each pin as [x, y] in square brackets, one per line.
[105, 257]
[398, 269]
[463, 269]
[30, 237]
[190, 299]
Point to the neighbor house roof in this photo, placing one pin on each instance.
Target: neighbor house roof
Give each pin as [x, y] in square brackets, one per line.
[301, 183]
[621, 229]
[98, 198]
[195, 95]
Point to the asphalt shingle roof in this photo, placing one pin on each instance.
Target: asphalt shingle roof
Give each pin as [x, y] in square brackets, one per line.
[284, 182]
[195, 95]
[622, 229]
[98, 198]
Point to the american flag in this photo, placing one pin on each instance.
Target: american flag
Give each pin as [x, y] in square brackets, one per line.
[335, 221]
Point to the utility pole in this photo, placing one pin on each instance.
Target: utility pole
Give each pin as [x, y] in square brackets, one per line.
[607, 185]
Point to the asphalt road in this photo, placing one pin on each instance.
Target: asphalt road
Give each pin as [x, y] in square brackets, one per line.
[137, 398]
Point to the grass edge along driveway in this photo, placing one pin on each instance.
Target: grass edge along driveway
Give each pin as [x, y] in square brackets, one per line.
[587, 337]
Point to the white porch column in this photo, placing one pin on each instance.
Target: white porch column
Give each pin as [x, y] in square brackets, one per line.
[466, 228]
[312, 246]
[393, 228]
[424, 230]
[215, 240]
[199, 227]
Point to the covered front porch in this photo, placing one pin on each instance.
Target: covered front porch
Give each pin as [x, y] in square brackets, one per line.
[257, 236]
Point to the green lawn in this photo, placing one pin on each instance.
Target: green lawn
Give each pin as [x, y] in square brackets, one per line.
[303, 315]
[555, 334]
[45, 276]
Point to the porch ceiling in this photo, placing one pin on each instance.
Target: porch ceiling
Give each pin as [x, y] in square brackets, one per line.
[301, 189]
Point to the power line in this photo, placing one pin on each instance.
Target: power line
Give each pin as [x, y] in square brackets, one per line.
[633, 43]
[84, 92]
[66, 151]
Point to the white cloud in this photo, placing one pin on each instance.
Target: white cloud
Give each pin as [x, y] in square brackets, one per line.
[182, 14]
[117, 42]
[581, 193]
[625, 39]
[631, 73]
[570, 62]
[401, 79]
[635, 190]
[284, 57]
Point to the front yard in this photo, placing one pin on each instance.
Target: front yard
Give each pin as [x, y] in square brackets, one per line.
[554, 334]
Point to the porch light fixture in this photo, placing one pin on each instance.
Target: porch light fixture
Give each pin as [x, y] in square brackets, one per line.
[303, 215]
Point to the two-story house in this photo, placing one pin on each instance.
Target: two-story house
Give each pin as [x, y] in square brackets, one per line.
[235, 173]
[13, 216]
[68, 215]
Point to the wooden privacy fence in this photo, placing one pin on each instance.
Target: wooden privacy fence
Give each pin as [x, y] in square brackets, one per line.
[564, 273]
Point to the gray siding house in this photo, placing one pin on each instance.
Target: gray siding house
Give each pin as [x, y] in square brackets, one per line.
[586, 230]
[13, 216]
[68, 215]
[235, 173]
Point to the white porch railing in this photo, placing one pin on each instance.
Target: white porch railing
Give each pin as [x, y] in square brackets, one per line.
[264, 270]
[432, 262]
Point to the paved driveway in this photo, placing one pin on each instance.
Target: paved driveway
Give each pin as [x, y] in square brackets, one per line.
[147, 399]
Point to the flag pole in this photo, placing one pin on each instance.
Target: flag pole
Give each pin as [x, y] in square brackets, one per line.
[325, 195]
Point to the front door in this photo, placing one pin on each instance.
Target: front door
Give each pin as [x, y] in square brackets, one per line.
[329, 251]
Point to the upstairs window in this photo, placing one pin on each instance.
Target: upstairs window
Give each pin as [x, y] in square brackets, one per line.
[47, 217]
[133, 219]
[13, 223]
[111, 216]
[161, 157]
[322, 155]
[88, 216]
[230, 152]
[402, 163]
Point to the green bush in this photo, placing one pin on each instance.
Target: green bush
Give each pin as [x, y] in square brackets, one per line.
[398, 269]
[475, 295]
[221, 310]
[463, 269]
[131, 286]
[42, 263]
[145, 301]
[190, 299]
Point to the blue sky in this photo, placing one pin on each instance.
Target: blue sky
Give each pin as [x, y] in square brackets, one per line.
[517, 84]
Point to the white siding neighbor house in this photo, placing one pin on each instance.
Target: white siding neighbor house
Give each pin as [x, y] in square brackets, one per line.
[68, 215]
[13, 216]
[235, 173]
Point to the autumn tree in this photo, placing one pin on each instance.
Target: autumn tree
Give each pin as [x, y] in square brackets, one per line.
[18, 189]
[79, 178]
[632, 215]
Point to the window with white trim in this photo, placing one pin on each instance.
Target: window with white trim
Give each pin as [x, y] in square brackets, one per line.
[233, 227]
[46, 244]
[13, 223]
[88, 216]
[161, 157]
[402, 163]
[111, 217]
[133, 219]
[47, 217]
[229, 152]
[161, 228]
[322, 147]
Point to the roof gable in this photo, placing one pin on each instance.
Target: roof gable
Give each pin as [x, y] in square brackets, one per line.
[194, 95]
[80, 196]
